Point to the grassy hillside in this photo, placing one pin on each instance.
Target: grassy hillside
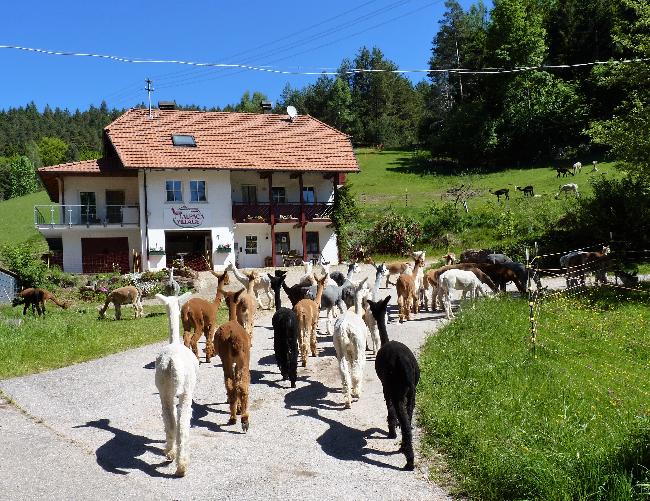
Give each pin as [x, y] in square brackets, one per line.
[17, 219]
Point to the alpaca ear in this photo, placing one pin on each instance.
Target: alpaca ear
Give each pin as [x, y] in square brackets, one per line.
[238, 294]
[162, 298]
[385, 301]
[182, 299]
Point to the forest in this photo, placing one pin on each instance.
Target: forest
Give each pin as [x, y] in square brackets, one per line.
[480, 120]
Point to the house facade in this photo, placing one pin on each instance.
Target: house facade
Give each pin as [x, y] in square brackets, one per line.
[207, 188]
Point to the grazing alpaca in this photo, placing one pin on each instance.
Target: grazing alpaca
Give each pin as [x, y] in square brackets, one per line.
[566, 188]
[528, 190]
[263, 286]
[502, 192]
[122, 296]
[36, 297]
[232, 344]
[399, 373]
[285, 335]
[339, 278]
[563, 171]
[407, 299]
[380, 272]
[350, 333]
[432, 278]
[594, 168]
[201, 316]
[460, 280]
[577, 167]
[577, 263]
[307, 311]
[177, 370]
[172, 288]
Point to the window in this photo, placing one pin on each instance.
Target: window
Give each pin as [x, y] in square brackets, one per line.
[249, 193]
[282, 243]
[184, 140]
[251, 244]
[308, 195]
[88, 207]
[312, 242]
[174, 191]
[114, 203]
[279, 195]
[197, 191]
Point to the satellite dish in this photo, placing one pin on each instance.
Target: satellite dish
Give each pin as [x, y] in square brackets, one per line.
[292, 112]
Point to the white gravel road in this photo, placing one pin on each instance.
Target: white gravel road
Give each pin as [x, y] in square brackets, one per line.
[94, 431]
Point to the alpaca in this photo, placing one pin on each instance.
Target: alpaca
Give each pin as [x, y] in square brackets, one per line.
[432, 278]
[201, 316]
[307, 311]
[325, 265]
[407, 299]
[285, 335]
[339, 277]
[399, 373]
[528, 190]
[263, 286]
[232, 344]
[295, 293]
[460, 280]
[577, 263]
[577, 167]
[566, 188]
[395, 269]
[380, 272]
[350, 333]
[246, 306]
[502, 192]
[450, 258]
[177, 370]
[308, 278]
[122, 296]
[36, 297]
[563, 171]
[172, 288]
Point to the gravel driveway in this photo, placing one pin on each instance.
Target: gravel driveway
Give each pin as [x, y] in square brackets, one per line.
[94, 430]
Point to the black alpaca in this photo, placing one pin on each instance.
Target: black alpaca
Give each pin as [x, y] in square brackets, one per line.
[285, 335]
[399, 374]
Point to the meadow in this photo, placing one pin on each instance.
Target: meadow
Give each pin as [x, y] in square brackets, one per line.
[569, 420]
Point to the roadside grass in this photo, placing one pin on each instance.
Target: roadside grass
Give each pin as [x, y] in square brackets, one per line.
[570, 422]
[66, 337]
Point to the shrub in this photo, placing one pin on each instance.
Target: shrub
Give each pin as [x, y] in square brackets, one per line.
[21, 259]
[442, 218]
[57, 277]
[394, 234]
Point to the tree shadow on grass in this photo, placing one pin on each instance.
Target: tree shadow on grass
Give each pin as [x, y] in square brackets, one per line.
[424, 166]
[122, 452]
[348, 444]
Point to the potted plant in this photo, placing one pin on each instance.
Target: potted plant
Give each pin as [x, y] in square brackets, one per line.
[156, 252]
[223, 248]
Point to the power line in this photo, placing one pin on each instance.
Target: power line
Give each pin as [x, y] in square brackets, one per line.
[266, 69]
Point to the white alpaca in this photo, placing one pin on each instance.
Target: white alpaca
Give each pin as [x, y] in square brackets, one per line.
[462, 280]
[326, 269]
[173, 288]
[308, 279]
[176, 373]
[566, 188]
[263, 285]
[380, 272]
[577, 167]
[349, 339]
[420, 290]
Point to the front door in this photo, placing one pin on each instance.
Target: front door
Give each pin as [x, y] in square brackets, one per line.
[282, 246]
[249, 256]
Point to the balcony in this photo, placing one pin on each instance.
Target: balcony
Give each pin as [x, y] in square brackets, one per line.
[109, 216]
[282, 212]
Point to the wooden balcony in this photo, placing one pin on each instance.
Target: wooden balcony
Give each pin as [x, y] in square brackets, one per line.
[283, 213]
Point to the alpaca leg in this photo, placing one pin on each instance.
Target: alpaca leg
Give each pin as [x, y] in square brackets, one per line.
[118, 311]
[304, 347]
[329, 321]
[182, 433]
[169, 420]
[313, 341]
[232, 398]
[358, 363]
[190, 340]
[344, 369]
[400, 305]
[407, 435]
[209, 341]
[243, 386]
[392, 415]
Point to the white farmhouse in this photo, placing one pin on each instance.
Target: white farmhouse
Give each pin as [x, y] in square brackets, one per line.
[206, 187]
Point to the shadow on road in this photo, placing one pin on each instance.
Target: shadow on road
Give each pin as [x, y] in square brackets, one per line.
[312, 395]
[121, 453]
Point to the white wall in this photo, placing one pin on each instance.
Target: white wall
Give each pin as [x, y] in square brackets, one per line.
[73, 185]
[71, 238]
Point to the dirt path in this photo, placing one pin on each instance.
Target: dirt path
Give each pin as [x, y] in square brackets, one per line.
[94, 430]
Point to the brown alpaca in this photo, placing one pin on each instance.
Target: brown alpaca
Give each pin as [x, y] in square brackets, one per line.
[395, 269]
[247, 305]
[232, 344]
[201, 315]
[307, 311]
[579, 262]
[122, 296]
[36, 297]
[407, 299]
[432, 277]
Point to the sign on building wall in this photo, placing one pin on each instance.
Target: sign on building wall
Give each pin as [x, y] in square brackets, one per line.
[187, 217]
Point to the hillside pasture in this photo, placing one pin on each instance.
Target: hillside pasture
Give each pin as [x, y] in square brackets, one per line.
[17, 220]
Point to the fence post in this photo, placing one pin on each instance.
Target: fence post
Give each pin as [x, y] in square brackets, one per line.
[531, 306]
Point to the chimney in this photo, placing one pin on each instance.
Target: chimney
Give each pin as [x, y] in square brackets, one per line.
[166, 105]
[267, 106]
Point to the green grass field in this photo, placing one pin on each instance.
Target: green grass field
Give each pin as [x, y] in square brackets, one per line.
[17, 219]
[66, 337]
[571, 421]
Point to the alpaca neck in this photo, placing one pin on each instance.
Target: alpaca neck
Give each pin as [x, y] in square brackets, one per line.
[174, 331]
[381, 327]
[416, 269]
[278, 300]
[350, 272]
[319, 294]
[240, 276]
[250, 288]
[232, 309]
[375, 288]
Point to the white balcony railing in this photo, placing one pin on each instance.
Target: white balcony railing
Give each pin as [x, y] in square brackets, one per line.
[86, 215]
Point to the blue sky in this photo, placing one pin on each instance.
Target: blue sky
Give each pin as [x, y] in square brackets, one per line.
[253, 32]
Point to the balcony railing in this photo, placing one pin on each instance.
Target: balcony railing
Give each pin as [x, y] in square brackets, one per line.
[86, 215]
[283, 212]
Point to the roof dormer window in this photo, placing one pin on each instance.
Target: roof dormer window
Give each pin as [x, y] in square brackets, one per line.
[184, 140]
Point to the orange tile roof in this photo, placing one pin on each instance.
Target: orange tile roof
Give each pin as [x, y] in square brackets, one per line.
[230, 141]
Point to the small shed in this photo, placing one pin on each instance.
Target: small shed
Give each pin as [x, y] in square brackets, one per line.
[8, 286]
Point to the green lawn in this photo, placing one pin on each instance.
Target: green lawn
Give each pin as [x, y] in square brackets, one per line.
[66, 337]
[17, 219]
[570, 422]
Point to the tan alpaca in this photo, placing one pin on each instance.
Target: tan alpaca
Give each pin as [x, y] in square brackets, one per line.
[201, 316]
[232, 344]
[247, 304]
[407, 299]
[122, 296]
[307, 311]
[395, 269]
